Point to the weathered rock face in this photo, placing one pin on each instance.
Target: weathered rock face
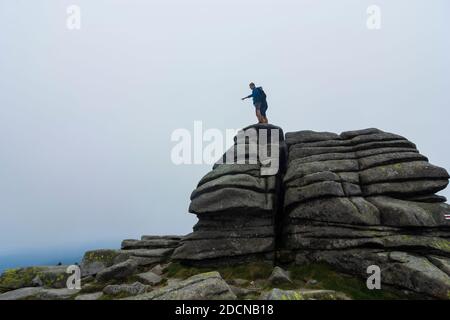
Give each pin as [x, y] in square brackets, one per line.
[120, 270]
[351, 200]
[205, 286]
[236, 202]
[147, 251]
[46, 276]
[278, 294]
[128, 289]
[367, 197]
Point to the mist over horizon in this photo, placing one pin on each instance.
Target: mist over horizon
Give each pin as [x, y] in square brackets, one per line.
[86, 116]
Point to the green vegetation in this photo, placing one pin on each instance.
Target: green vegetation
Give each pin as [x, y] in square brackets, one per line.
[56, 280]
[18, 278]
[329, 279]
[114, 297]
[104, 255]
[326, 277]
[256, 274]
[293, 296]
[441, 244]
[250, 271]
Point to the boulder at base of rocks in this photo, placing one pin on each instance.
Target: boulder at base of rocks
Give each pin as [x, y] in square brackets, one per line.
[56, 294]
[42, 276]
[278, 294]
[95, 261]
[89, 296]
[158, 269]
[118, 271]
[400, 269]
[242, 292]
[279, 276]
[125, 289]
[149, 278]
[204, 286]
[52, 277]
[20, 294]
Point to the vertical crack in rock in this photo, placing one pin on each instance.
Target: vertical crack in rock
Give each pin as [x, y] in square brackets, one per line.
[238, 203]
[279, 214]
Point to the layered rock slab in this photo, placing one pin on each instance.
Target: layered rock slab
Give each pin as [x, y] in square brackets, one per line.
[367, 197]
[237, 202]
[204, 286]
[146, 251]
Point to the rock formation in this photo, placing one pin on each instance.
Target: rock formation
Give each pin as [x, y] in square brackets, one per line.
[352, 200]
[366, 198]
[237, 201]
[337, 202]
[149, 250]
[206, 286]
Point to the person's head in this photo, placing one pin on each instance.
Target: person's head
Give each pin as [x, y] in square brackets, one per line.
[252, 85]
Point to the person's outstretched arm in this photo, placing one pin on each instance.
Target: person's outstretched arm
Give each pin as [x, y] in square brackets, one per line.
[249, 96]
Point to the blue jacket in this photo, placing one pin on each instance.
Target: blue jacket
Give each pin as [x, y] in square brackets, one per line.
[257, 95]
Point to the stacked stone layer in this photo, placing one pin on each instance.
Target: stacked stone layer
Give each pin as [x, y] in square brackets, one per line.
[367, 197]
[236, 204]
[144, 252]
[354, 200]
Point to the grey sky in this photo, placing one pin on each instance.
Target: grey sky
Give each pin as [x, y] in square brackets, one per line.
[86, 116]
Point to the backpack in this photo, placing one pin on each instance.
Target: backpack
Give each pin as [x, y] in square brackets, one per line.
[263, 94]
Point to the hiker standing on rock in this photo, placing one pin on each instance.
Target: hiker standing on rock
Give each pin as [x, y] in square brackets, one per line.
[259, 101]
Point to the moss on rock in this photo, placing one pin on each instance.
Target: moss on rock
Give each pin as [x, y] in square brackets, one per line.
[45, 276]
[102, 255]
[329, 279]
[249, 271]
[96, 260]
[18, 278]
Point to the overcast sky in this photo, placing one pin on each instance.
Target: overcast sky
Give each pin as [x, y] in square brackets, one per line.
[86, 115]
